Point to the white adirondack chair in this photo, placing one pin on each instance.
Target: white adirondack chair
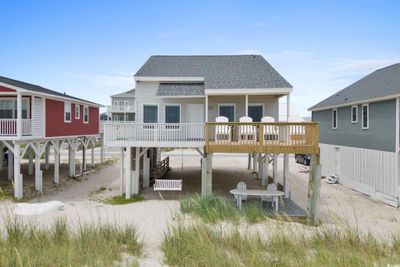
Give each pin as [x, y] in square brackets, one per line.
[247, 132]
[270, 132]
[222, 132]
[271, 188]
[241, 186]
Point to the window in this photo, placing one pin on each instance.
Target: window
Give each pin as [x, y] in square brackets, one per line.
[354, 114]
[85, 114]
[67, 111]
[227, 110]
[77, 111]
[150, 113]
[334, 119]
[172, 114]
[255, 111]
[8, 108]
[365, 116]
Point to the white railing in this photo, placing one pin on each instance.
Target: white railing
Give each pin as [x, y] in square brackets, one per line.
[121, 108]
[154, 134]
[8, 127]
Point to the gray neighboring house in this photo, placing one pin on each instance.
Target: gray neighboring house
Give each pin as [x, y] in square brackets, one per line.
[122, 107]
[359, 134]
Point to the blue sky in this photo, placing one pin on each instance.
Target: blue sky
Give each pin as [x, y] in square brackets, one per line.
[91, 49]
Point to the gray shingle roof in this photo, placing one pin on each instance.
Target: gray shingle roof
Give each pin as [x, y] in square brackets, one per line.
[130, 93]
[39, 89]
[219, 72]
[180, 89]
[381, 83]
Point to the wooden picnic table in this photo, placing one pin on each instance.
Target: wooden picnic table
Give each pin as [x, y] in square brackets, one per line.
[256, 192]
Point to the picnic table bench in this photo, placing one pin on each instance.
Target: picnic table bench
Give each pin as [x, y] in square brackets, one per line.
[257, 192]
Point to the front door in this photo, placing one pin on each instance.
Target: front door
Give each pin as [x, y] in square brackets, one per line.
[195, 114]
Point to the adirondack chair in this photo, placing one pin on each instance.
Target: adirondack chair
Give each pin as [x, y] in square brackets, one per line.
[223, 132]
[271, 188]
[247, 132]
[270, 132]
[241, 185]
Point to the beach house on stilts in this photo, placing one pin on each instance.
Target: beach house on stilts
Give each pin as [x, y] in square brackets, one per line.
[215, 104]
[34, 120]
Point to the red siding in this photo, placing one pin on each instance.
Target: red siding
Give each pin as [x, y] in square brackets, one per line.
[5, 89]
[55, 125]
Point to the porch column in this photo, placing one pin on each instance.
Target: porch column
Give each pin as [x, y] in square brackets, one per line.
[247, 105]
[10, 158]
[122, 170]
[206, 175]
[146, 169]
[30, 165]
[38, 172]
[46, 157]
[137, 172]
[128, 173]
[288, 107]
[275, 168]
[19, 114]
[314, 186]
[17, 171]
[265, 171]
[286, 175]
[56, 162]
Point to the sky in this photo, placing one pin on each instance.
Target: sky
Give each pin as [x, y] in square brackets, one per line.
[92, 49]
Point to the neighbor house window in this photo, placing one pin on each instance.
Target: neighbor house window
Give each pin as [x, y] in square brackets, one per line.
[77, 111]
[85, 114]
[334, 119]
[67, 111]
[365, 116]
[150, 113]
[227, 110]
[172, 114]
[255, 111]
[354, 114]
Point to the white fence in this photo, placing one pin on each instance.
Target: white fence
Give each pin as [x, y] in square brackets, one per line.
[372, 172]
[154, 134]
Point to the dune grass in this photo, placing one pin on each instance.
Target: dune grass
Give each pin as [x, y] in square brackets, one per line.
[202, 245]
[121, 200]
[215, 208]
[90, 245]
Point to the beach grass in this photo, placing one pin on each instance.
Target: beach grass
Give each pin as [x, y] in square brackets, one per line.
[25, 244]
[121, 200]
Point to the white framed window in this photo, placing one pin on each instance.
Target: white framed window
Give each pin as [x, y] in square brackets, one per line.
[172, 113]
[150, 113]
[354, 114]
[85, 114]
[67, 111]
[8, 108]
[227, 110]
[77, 111]
[365, 116]
[255, 111]
[334, 118]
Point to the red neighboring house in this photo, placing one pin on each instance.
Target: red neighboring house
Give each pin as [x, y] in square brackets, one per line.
[34, 118]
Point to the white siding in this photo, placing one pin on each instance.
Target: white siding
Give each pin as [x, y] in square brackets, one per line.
[371, 172]
[38, 117]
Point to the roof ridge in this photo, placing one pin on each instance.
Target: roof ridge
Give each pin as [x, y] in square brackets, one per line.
[388, 66]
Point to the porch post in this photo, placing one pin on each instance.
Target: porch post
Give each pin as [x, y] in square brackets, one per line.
[19, 114]
[17, 171]
[314, 186]
[122, 171]
[146, 169]
[286, 175]
[128, 173]
[275, 168]
[206, 175]
[46, 157]
[10, 165]
[30, 166]
[288, 107]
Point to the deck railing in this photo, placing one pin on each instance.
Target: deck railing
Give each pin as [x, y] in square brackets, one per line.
[154, 134]
[122, 108]
[278, 137]
[8, 127]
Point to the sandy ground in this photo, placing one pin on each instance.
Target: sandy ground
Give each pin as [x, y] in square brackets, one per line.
[153, 216]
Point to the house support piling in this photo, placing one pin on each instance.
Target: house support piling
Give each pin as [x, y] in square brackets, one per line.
[17, 171]
[286, 175]
[206, 175]
[146, 170]
[122, 170]
[265, 171]
[314, 186]
[128, 173]
[275, 168]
